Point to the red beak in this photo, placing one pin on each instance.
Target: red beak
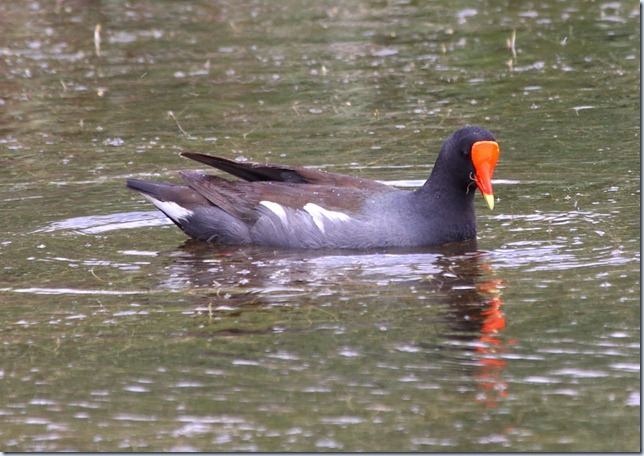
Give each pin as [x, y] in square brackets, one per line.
[485, 155]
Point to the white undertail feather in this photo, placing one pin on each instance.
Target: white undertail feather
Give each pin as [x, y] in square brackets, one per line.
[172, 210]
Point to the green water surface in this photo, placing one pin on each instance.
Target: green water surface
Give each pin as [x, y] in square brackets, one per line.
[120, 334]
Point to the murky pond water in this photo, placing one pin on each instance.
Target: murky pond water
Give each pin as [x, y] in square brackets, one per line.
[120, 334]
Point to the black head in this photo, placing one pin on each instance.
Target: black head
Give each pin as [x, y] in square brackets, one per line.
[454, 161]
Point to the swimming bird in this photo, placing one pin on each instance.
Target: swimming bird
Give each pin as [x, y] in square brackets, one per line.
[297, 207]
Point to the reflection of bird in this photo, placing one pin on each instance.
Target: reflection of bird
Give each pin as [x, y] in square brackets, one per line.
[298, 207]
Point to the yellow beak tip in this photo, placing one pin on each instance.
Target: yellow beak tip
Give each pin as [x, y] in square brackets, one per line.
[489, 199]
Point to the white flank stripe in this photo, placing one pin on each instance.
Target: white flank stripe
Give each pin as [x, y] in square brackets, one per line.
[275, 209]
[172, 210]
[319, 215]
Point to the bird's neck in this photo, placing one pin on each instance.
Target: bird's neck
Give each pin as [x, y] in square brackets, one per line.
[437, 192]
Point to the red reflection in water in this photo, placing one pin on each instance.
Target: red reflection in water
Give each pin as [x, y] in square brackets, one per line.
[491, 347]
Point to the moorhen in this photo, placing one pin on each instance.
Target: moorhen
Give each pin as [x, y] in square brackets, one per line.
[296, 207]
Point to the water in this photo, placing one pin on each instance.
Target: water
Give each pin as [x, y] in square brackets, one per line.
[119, 334]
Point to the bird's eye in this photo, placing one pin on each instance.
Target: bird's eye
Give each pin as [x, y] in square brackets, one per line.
[465, 152]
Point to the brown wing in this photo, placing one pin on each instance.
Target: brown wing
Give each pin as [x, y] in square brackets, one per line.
[257, 172]
[241, 199]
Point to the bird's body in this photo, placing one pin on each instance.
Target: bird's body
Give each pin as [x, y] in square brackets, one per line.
[295, 207]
